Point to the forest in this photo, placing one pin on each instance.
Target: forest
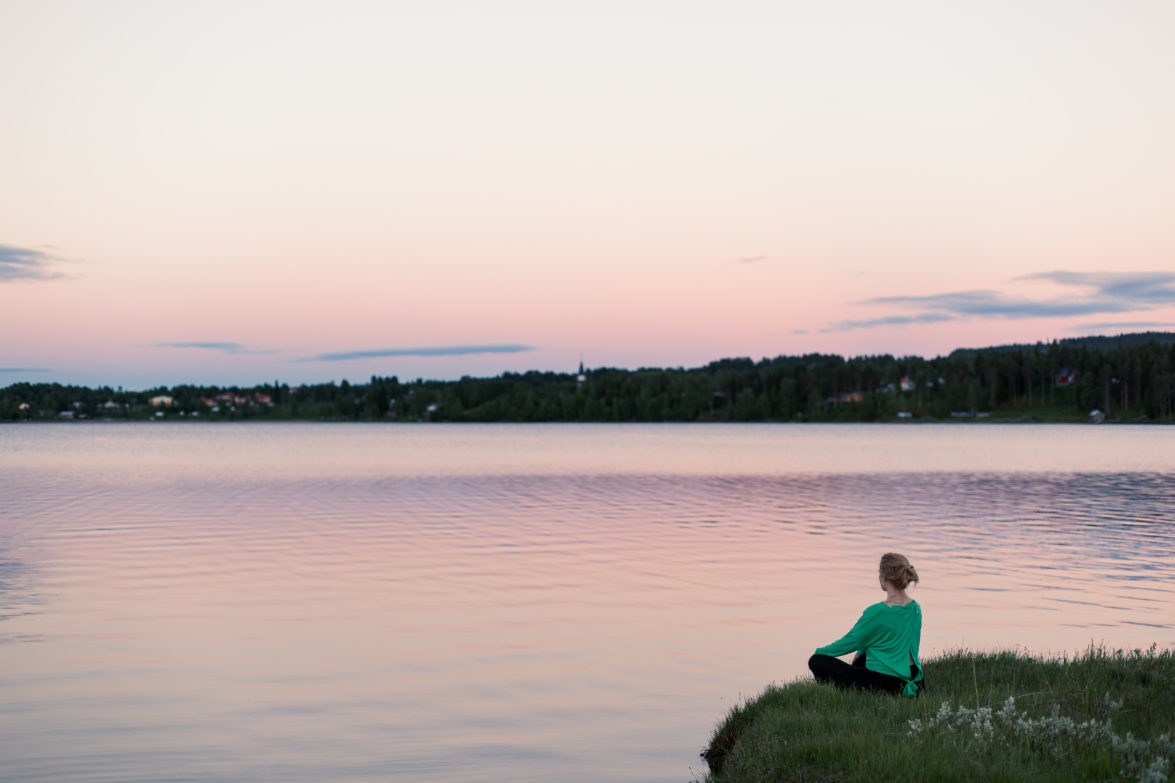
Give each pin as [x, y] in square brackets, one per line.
[1126, 379]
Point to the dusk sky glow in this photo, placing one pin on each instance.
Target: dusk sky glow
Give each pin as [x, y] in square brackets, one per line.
[237, 192]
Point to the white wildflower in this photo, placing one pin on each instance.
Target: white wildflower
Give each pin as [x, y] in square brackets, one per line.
[1156, 772]
[1141, 760]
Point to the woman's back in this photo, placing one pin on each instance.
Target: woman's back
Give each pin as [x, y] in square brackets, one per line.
[886, 638]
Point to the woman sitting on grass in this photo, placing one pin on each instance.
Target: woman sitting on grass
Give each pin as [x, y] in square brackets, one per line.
[885, 639]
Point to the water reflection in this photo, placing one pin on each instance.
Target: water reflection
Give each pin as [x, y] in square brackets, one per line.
[214, 614]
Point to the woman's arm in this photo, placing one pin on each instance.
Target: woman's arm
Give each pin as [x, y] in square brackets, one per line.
[856, 639]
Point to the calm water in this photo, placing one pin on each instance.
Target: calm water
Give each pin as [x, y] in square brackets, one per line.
[305, 602]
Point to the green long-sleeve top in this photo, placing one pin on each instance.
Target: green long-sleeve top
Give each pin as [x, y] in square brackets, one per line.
[889, 636]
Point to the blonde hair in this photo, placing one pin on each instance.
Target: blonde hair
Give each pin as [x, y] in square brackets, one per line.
[896, 570]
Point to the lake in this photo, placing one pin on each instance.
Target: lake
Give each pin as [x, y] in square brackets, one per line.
[368, 602]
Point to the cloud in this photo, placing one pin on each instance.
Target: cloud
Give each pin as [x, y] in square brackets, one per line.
[229, 348]
[1101, 293]
[750, 259]
[1137, 287]
[889, 320]
[24, 369]
[442, 350]
[1123, 325]
[990, 304]
[23, 263]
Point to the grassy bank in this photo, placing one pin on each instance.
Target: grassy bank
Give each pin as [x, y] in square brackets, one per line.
[1004, 716]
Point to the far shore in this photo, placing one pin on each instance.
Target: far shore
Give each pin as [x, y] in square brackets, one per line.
[171, 418]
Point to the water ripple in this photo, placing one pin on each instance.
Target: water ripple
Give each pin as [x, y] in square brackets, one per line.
[202, 614]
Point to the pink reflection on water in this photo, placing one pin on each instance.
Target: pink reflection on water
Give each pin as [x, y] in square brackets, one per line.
[368, 617]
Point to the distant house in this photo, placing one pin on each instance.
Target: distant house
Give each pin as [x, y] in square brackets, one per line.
[110, 405]
[263, 399]
[846, 397]
[908, 384]
[161, 401]
[228, 399]
[905, 414]
[1066, 378]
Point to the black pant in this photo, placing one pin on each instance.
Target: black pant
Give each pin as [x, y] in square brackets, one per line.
[843, 675]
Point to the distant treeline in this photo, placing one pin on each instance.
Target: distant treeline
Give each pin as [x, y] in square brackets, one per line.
[1095, 343]
[1130, 380]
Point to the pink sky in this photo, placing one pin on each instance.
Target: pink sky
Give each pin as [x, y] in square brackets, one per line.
[238, 192]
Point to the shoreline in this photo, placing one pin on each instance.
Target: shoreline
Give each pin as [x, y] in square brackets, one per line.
[926, 421]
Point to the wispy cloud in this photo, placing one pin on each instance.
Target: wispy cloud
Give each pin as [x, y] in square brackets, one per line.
[991, 304]
[1093, 293]
[441, 350]
[889, 320]
[11, 370]
[1136, 287]
[750, 259]
[223, 347]
[24, 263]
[1121, 325]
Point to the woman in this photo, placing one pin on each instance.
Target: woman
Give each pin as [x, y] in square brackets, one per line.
[885, 639]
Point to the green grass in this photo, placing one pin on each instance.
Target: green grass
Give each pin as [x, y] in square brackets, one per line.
[1100, 715]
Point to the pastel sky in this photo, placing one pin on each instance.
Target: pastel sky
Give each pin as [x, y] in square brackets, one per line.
[236, 192]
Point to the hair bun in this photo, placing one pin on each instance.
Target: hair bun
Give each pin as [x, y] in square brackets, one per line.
[897, 570]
